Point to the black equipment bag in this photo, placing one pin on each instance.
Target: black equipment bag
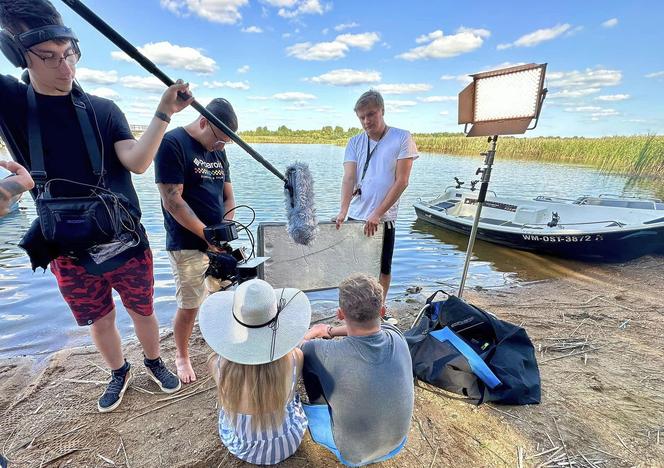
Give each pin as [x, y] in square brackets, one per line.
[505, 348]
[75, 223]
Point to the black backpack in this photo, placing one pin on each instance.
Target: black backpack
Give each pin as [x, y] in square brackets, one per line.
[465, 350]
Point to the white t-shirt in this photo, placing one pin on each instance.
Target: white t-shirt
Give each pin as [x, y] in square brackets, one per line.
[381, 174]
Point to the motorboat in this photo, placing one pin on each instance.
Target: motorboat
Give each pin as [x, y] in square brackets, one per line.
[609, 228]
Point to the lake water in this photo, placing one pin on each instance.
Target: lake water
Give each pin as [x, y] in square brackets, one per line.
[34, 318]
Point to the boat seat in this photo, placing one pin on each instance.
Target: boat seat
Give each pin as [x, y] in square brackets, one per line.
[531, 215]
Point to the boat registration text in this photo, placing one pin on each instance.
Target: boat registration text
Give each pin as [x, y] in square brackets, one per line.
[584, 238]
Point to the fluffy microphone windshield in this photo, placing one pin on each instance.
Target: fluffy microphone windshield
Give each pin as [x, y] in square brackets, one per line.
[302, 223]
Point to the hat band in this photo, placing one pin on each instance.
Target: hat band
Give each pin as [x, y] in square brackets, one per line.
[273, 323]
[246, 325]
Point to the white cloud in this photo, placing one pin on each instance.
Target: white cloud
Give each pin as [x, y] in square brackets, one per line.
[293, 96]
[101, 77]
[444, 113]
[440, 46]
[347, 77]
[300, 106]
[145, 83]
[404, 88]
[242, 85]
[295, 8]
[396, 105]
[174, 56]
[252, 29]
[447, 77]
[595, 112]
[318, 51]
[107, 93]
[613, 97]
[258, 98]
[583, 109]
[364, 41]
[576, 93]
[332, 50]
[589, 78]
[343, 26]
[610, 23]
[281, 3]
[244, 69]
[536, 37]
[216, 11]
[429, 99]
[658, 74]
[429, 37]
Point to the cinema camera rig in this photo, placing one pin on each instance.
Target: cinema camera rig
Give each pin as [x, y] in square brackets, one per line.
[229, 266]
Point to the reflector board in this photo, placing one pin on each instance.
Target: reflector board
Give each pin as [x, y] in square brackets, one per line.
[333, 256]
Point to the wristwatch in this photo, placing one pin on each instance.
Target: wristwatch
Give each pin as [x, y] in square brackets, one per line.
[329, 332]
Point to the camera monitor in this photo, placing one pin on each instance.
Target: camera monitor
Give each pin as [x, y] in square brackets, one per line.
[325, 263]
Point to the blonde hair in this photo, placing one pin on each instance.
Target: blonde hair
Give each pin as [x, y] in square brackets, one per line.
[370, 98]
[266, 386]
[361, 297]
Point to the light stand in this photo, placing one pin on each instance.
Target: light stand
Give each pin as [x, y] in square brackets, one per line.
[499, 102]
[486, 176]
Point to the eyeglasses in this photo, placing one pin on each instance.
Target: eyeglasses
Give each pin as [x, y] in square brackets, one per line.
[71, 58]
[229, 142]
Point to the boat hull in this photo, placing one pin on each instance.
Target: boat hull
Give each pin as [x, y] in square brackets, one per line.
[610, 246]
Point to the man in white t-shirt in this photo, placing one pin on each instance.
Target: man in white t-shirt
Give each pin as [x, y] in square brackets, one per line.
[377, 167]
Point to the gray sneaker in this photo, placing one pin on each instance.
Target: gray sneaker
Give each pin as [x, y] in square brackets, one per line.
[112, 397]
[157, 371]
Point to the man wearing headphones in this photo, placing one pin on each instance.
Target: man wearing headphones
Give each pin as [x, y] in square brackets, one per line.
[58, 147]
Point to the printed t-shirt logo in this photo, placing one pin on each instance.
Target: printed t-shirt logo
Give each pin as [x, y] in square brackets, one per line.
[213, 170]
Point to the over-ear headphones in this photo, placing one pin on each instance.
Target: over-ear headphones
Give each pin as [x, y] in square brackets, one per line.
[15, 47]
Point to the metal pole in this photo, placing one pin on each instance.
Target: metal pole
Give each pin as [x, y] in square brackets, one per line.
[486, 175]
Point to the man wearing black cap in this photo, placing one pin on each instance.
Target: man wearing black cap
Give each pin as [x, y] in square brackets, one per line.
[192, 173]
[77, 145]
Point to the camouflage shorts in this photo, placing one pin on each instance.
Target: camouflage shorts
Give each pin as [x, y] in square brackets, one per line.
[90, 296]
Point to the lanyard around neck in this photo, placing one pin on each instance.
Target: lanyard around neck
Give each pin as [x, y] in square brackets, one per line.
[370, 153]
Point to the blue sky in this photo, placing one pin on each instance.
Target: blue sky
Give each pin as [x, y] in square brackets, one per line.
[303, 63]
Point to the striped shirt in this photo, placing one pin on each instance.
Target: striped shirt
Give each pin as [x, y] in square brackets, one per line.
[269, 446]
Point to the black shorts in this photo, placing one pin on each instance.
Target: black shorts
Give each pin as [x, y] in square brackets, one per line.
[389, 230]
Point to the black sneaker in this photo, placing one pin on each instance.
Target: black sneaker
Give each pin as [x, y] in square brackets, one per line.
[167, 381]
[116, 388]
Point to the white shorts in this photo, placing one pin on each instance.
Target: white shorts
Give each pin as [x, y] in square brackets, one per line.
[189, 267]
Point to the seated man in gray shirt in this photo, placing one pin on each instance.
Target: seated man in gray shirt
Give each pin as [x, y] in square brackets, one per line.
[365, 377]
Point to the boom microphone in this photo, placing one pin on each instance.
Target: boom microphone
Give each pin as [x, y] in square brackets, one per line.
[302, 222]
[298, 184]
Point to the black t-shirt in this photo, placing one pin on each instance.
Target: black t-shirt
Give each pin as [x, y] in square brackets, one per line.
[183, 160]
[65, 154]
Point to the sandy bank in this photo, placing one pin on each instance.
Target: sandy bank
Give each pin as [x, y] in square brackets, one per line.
[600, 338]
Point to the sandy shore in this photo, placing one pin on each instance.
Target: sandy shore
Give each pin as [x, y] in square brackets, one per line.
[600, 341]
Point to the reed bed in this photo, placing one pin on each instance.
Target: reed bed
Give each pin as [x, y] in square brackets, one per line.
[639, 155]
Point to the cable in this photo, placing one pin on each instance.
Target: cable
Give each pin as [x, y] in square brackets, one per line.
[244, 227]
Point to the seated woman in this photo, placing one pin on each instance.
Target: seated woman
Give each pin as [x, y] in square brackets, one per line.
[254, 332]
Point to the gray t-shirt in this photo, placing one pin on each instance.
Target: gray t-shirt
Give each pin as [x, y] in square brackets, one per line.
[368, 383]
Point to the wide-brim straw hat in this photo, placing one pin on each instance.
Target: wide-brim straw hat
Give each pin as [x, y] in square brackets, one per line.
[242, 325]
